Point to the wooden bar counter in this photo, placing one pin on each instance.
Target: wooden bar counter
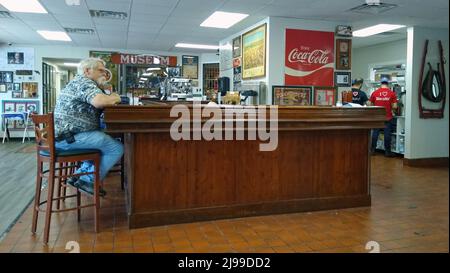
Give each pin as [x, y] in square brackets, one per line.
[322, 162]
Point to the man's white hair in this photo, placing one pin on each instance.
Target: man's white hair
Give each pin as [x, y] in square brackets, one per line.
[89, 63]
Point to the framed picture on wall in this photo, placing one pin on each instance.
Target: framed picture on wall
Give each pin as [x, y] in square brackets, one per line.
[324, 95]
[6, 76]
[343, 31]
[2, 87]
[343, 54]
[291, 95]
[342, 79]
[237, 47]
[20, 106]
[9, 87]
[15, 58]
[254, 53]
[17, 86]
[16, 94]
[189, 66]
[30, 89]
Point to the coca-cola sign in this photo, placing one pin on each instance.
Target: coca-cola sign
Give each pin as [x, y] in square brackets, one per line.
[309, 57]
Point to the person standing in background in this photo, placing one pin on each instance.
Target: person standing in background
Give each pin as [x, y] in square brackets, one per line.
[358, 96]
[386, 98]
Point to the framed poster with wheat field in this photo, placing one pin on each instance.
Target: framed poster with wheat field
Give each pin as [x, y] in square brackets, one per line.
[254, 53]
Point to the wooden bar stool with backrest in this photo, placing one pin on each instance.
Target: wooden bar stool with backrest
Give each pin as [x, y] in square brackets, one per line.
[66, 160]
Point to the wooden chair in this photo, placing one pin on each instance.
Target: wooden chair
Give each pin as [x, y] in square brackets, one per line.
[66, 161]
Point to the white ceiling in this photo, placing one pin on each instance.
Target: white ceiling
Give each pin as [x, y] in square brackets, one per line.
[160, 24]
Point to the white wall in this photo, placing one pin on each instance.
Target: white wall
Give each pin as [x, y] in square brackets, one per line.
[427, 138]
[363, 57]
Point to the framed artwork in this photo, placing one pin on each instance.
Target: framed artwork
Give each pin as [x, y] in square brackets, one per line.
[342, 79]
[15, 58]
[324, 95]
[17, 86]
[291, 95]
[6, 76]
[24, 72]
[236, 62]
[9, 86]
[16, 94]
[254, 53]
[237, 47]
[237, 75]
[19, 106]
[343, 54]
[344, 31]
[9, 107]
[2, 87]
[190, 66]
[30, 89]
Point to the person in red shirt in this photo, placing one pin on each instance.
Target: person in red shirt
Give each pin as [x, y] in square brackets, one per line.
[386, 98]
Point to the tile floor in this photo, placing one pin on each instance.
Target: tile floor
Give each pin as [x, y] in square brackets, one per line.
[409, 213]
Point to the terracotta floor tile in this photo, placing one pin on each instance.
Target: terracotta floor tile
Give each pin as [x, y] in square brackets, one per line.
[409, 213]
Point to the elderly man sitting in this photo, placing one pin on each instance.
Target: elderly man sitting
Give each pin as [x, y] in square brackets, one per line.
[77, 121]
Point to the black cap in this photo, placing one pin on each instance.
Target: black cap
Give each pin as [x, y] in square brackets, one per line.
[384, 80]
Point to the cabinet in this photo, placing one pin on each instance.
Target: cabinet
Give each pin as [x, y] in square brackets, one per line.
[396, 74]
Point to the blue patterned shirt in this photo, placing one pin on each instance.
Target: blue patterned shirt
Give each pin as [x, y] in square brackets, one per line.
[74, 112]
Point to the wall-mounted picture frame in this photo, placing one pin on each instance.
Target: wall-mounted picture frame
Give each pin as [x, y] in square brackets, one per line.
[189, 66]
[3, 88]
[254, 53]
[17, 86]
[24, 72]
[6, 77]
[290, 95]
[9, 87]
[344, 31]
[16, 94]
[30, 89]
[342, 79]
[237, 47]
[15, 58]
[325, 95]
[343, 54]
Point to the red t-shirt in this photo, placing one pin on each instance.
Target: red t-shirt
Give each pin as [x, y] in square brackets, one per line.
[384, 97]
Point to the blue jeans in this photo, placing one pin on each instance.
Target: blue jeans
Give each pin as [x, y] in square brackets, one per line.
[387, 136]
[111, 152]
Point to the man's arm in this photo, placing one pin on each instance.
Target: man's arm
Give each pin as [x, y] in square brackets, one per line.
[101, 100]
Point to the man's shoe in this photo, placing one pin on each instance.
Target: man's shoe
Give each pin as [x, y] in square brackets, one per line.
[88, 188]
[372, 151]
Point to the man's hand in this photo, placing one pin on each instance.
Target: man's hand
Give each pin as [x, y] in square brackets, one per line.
[116, 97]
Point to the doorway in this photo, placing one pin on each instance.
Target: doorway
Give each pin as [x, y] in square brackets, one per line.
[56, 74]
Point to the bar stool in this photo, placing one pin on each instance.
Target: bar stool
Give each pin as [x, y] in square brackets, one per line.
[66, 160]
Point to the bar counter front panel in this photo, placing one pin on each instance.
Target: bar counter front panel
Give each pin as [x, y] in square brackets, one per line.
[322, 162]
